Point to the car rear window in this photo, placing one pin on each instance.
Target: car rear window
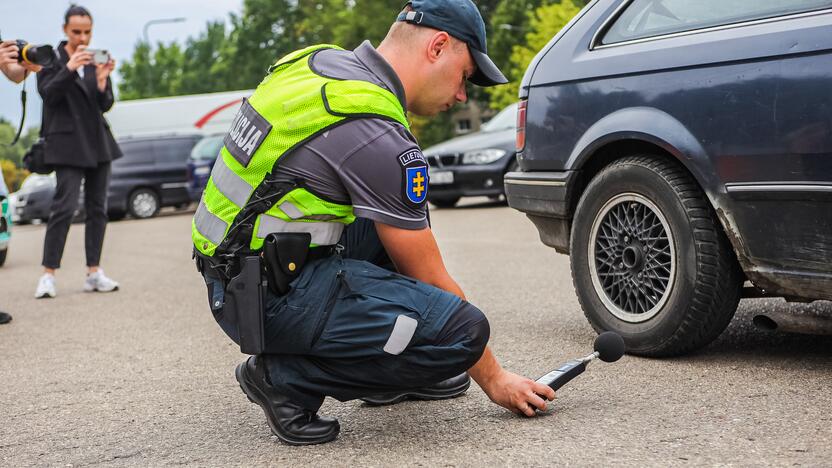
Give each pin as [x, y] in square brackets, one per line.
[173, 150]
[208, 148]
[649, 18]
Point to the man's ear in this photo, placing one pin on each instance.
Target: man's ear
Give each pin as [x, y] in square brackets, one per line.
[439, 44]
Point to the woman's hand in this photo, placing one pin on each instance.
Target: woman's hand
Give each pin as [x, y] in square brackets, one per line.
[102, 72]
[79, 58]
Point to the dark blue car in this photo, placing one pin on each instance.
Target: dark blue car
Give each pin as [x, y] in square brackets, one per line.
[677, 149]
[201, 162]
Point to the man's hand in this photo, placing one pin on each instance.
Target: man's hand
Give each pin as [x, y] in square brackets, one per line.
[8, 62]
[31, 67]
[8, 53]
[79, 58]
[102, 71]
[516, 393]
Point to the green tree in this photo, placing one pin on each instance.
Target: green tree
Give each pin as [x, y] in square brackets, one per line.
[543, 24]
[508, 25]
[161, 76]
[202, 62]
[15, 153]
[11, 156]
[260, 36]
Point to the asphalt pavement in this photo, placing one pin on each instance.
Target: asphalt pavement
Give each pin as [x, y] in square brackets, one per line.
[144, 377]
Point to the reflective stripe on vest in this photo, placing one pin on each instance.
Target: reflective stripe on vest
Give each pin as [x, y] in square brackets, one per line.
[291, 211]
[210, 226]
[230, 184]
[322, 233]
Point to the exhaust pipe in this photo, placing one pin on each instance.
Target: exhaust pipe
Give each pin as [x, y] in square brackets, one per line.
[792, 323]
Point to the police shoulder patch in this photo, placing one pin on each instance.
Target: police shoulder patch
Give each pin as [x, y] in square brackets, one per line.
[414, 177]
[248, 131]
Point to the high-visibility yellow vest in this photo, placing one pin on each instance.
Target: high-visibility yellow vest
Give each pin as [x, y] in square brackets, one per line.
[292, 105]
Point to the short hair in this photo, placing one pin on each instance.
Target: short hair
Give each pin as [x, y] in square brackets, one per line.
[76, 10]
[401, 31]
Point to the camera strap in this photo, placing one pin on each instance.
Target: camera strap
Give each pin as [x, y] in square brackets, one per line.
[23, 104]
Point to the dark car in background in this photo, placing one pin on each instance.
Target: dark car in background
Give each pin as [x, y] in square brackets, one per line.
[200, 164]
[32, 202]
[151, 175]
[675, 149]
[473, 165]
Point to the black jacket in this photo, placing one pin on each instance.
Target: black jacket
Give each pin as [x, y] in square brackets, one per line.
[74, 127]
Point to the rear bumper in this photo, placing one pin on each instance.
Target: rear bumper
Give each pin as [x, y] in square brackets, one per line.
[539, 193]
[544, 198]
[469, 181]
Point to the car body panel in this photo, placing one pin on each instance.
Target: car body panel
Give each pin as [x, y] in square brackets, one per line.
[744, 108]
[5, 216]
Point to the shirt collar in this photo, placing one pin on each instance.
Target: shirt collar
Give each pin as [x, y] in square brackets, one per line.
[369, 56]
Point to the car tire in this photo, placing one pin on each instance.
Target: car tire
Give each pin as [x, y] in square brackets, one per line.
[143, 203]
[650, 260]
[444, 202]
[3, 256]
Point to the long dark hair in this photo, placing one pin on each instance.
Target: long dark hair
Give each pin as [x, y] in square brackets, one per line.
[76, 10]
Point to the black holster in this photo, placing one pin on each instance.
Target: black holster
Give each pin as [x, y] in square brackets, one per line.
[244, 300]
[285, 255]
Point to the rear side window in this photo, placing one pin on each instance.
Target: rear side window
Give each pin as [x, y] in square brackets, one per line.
[173, 150]
[135, 153]
[649, 18]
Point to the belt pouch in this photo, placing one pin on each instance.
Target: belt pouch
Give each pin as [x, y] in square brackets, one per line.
[285, 254]
[245, 294]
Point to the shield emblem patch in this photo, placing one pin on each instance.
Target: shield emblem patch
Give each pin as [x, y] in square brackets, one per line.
[417, 183]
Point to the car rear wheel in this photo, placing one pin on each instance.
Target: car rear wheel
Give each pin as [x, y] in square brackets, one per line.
[649, 259]
[143, 203]
[444, 202]
[3, 256]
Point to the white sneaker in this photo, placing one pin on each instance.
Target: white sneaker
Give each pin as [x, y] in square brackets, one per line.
[99, 282]
[46, 287]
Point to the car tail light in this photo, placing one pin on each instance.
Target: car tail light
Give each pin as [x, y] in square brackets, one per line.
[521, 125]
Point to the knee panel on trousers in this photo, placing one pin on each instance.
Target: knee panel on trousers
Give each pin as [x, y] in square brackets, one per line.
[469, 325]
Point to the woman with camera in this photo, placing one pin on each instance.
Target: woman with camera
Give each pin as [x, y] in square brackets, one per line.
[76, 91]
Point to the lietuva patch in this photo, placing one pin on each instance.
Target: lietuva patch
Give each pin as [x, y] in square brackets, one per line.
[414, 177]
[248, 131]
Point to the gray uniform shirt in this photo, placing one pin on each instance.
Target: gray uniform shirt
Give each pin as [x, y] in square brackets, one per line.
[371, 163]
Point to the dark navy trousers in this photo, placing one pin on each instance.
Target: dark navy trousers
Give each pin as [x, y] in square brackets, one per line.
[351, 326]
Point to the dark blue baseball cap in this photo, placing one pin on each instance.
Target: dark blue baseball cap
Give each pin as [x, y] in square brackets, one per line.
[462, 20]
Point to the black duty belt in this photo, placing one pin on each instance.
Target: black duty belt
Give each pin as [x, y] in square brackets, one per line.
[216, 267]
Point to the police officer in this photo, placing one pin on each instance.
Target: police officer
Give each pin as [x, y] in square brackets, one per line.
[321, 189]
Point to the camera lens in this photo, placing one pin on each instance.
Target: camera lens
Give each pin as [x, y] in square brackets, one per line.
[42, 55]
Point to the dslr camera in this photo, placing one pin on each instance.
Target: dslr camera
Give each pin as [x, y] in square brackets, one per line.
[43, 55]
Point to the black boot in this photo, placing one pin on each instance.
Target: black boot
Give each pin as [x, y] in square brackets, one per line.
[449, 388]
[289, 422]
[5, 318]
